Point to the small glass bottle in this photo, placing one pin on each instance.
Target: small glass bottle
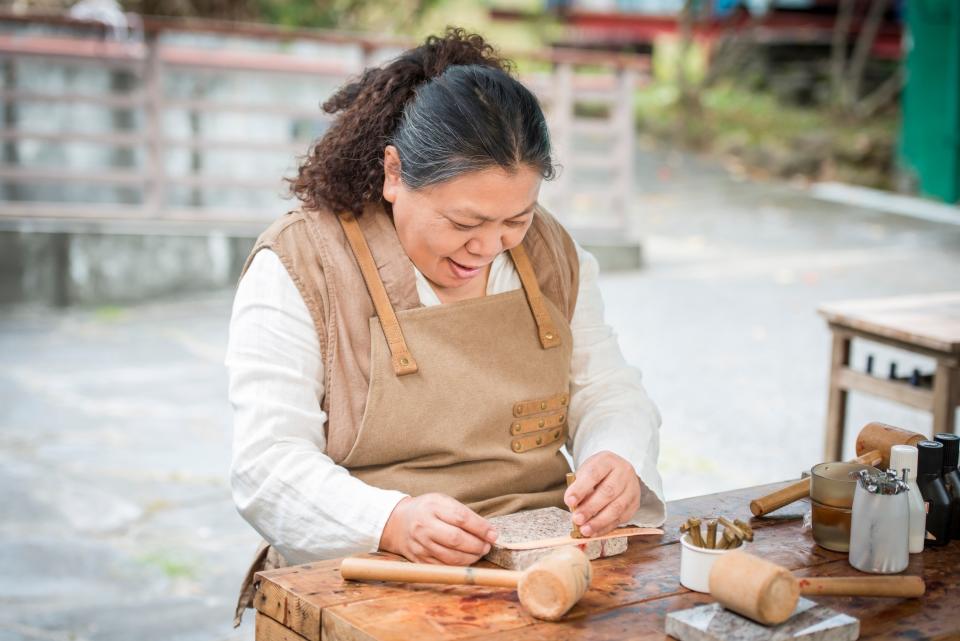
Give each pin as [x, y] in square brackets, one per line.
[904, 458]
[934, 491]
[951, 477]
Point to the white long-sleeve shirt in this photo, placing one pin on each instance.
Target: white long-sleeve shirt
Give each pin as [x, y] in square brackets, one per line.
[310, 508]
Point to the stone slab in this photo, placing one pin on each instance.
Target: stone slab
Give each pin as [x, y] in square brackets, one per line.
[533, 525]
[809, 622]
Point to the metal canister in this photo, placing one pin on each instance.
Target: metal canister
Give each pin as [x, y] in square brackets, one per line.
[879, 529]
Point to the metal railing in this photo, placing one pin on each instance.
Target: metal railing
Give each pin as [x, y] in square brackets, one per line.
[143, 182]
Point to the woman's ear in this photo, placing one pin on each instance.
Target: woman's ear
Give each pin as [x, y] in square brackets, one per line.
[391, 173]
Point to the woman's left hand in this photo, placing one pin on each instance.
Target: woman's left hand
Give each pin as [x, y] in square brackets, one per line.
[605, 494]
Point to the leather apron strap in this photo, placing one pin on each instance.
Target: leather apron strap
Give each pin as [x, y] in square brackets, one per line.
[548, 333]
[400, 356]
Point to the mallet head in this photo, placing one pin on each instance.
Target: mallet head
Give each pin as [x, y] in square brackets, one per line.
[754, 587]
[881, 437]
[554, 584]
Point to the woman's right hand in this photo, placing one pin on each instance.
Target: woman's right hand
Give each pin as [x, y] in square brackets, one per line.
[436, 528]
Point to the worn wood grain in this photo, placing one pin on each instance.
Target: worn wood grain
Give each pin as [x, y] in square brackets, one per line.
[629, 597]
[637, 621]
[286, 606]
[936, 617]
[448, 612]
[268, 629]
[640, 574]
[296, 596]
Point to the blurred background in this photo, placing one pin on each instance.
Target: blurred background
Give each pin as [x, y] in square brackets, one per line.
[734, 165]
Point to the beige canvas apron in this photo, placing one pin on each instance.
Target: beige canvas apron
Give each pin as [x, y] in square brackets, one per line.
[468, 399]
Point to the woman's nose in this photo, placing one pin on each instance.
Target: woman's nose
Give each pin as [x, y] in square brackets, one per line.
[486, 244]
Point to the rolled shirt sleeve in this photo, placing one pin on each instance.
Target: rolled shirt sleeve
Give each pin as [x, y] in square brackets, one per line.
[608, 403]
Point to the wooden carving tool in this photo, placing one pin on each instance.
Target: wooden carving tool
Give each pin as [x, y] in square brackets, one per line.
[711, 535]
[547, 589]
[692, 526]
[768, 594]
[873, 448]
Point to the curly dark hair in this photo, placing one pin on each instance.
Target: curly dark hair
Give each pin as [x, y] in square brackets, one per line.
[450, 106]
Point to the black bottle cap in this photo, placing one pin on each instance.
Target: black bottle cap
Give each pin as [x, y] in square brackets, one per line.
[951, 449]
[929, 458]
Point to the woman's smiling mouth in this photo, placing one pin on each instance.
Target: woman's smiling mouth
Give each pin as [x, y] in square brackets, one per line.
[463, 271]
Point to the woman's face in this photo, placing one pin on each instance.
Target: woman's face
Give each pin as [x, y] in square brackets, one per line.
[452, 231]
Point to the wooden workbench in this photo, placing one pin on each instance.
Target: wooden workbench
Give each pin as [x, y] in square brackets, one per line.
[927, 324]
[629, 598]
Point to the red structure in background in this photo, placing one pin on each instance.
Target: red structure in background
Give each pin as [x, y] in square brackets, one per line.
[799, 27]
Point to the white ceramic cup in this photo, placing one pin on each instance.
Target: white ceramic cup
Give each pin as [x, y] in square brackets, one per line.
[695, 564]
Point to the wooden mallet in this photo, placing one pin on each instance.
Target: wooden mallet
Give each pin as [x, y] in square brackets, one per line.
[547, 589]
[873, 448]
[768, 593]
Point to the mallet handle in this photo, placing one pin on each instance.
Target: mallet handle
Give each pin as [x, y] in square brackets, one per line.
[794, 492]
[872, 458]
[801, 489]
[891, 586]
[373, 570]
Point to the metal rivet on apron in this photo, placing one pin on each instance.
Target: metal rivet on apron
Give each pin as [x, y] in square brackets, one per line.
[518, 409]
[562, 417]
[539, 440]
[516, 446]
[548, 336]
[404, 361]
[516, 428]
[543, 406]
[541, 423]
[563, 399]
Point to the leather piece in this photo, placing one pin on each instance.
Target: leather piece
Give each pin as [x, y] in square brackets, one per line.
[536, 440]
[528, 425]
[540, 405]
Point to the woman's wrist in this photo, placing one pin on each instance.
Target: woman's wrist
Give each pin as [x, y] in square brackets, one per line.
[389, 538]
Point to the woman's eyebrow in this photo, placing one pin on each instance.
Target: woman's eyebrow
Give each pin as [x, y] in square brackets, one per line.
[475, 214]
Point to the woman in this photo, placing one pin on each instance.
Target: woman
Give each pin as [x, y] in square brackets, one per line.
[410, 351]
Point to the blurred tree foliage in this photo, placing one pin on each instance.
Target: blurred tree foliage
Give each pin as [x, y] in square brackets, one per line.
[329, 14]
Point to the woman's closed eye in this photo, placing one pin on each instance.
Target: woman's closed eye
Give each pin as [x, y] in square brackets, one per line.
[508, 223]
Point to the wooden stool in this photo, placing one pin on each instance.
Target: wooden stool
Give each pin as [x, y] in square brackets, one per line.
[927, 324]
